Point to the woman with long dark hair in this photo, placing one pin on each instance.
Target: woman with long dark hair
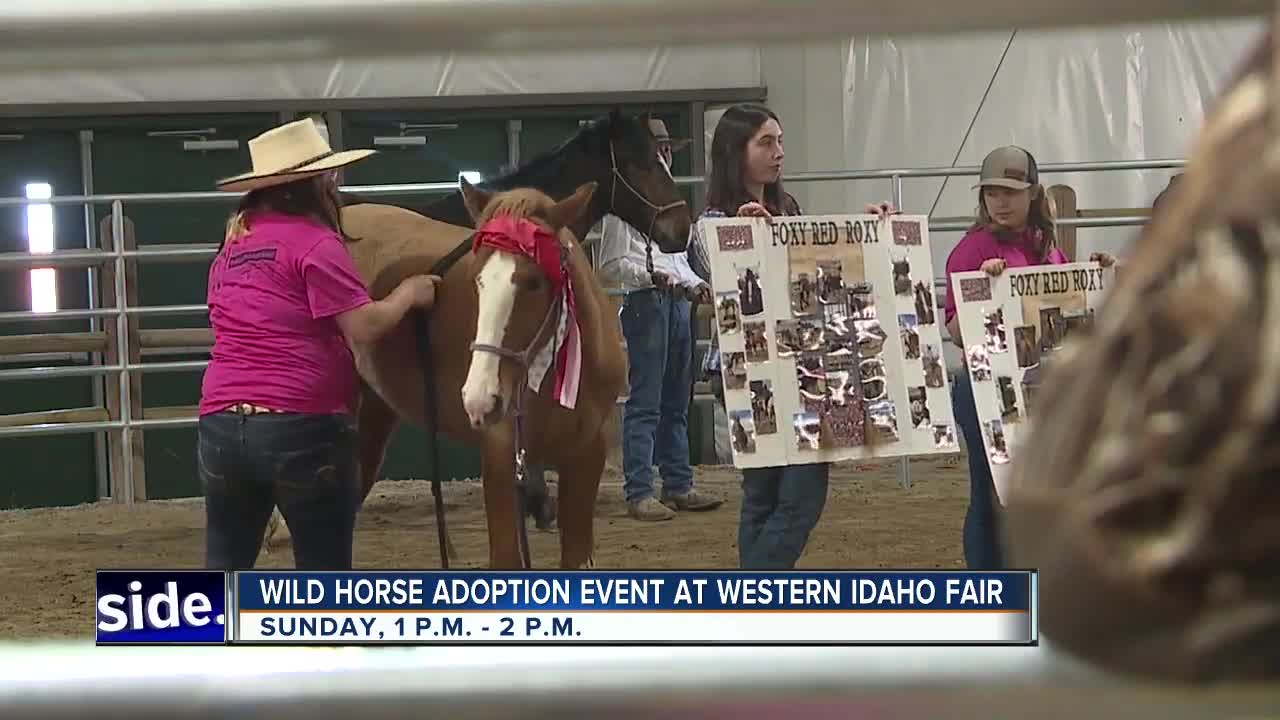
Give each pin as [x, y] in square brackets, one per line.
[1016, 227]
[780, 505]
[278, 397]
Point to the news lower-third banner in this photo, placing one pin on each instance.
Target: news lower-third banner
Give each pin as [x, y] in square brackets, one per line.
[555, 607]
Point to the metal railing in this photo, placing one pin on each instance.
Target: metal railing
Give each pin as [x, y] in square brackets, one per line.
[122, 369]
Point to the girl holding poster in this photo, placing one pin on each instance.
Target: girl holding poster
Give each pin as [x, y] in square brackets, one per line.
[780, 505]
[1015, 228]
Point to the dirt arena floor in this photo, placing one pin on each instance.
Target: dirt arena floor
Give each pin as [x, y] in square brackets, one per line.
[48, 556]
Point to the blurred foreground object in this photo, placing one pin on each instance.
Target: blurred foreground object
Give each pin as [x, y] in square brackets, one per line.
[1149, 494]
[39, 34]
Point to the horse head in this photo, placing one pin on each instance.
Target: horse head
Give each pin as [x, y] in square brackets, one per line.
[641, 189]
[518, 291]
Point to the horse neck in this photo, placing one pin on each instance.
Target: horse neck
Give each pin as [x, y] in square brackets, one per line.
[556, 176]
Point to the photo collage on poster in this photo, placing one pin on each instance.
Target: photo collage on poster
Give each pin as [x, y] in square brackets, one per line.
[1013, 327]
[829, 336]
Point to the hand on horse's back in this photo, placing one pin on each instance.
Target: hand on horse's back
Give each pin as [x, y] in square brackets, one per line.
[369, 322]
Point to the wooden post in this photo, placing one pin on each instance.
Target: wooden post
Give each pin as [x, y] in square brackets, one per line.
[119, 490]
[1064, 198]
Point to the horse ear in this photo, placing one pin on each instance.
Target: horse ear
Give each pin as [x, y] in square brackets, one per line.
[474, 198]
[571, 208]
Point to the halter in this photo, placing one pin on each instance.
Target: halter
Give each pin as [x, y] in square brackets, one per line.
[658, 210]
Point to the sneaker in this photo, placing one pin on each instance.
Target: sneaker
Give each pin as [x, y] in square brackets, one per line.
[649, 509]
[693, 500]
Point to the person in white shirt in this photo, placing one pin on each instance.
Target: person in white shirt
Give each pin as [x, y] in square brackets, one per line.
[657, 324]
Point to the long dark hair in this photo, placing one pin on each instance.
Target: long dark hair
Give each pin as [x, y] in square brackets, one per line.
[312, 197]
[726, 189]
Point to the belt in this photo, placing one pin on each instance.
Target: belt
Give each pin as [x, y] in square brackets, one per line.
[250, 409]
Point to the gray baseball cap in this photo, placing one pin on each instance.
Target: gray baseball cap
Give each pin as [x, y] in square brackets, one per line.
[1009, 167]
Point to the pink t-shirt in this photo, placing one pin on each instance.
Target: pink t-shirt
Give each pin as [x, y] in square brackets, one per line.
[980, 245]
[273, 298]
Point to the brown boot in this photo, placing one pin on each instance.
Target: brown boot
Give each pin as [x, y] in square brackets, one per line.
[692, 501]
[650, 510]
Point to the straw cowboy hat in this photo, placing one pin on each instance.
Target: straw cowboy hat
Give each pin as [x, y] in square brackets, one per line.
[290, 152]
[659, 131]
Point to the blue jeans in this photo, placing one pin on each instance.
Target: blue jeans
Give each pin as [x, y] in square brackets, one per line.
[780, 507]
[981, 523]
[655, 420]
[305, 464]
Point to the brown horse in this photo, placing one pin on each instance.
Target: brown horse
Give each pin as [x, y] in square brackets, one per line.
[500, 300]
[616, 151]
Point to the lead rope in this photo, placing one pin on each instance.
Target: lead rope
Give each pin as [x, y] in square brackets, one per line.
[523, 526]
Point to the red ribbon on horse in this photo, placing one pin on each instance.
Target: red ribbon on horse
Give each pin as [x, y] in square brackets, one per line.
[521, 236]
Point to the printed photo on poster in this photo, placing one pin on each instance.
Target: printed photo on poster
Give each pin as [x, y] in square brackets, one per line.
[870, 337]
[862, 301]
[837, 319]
[750, 293]
[756, 342]
[884, 420]
[847, 423]
[925, 305]
[910, 331]
[797, 336]
[996, 340]
[1024, 340]
[804, 293]
[728, 313]
[808, 430]
[742, 429]
[979, 363]
[902, 276]
[1008, 399]
[811, 379]
[735, 370]
[919, 408]
[735, 238]
[762, 411]
[934, 373]
[1051, 327]
[906, 232]
[842, 381]
[944, 437]
[830, 282]
[875, 386]
[996, 441]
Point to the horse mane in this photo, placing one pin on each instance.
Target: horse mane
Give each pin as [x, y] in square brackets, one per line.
[550, 164]
[520, 202]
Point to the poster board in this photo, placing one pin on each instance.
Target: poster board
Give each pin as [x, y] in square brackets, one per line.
[1013, 326]
[830, 338]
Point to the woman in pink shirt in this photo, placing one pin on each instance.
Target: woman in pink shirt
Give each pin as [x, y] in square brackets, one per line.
[1015, 228]
[278, 397]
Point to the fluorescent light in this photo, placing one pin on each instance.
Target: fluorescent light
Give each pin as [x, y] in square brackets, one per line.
[400, 140]
[44, 281]
[210, 144]
[471, 176]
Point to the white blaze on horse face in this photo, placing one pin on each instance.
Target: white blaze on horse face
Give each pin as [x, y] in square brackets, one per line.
[497, 293]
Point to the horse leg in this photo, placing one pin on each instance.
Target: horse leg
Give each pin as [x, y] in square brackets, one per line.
[498, 466]
[375, 424]
[579, 485]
